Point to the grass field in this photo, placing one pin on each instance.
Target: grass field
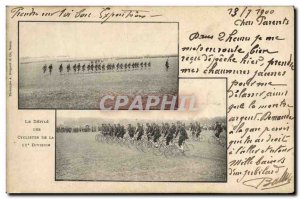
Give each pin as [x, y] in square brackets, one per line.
[80, 157]
[84, 90]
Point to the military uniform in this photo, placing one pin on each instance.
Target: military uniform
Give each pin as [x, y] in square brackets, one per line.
[122, 131]
[149, 132]
[140, 132]
[170, 135]
[130, 131]
[182, 135]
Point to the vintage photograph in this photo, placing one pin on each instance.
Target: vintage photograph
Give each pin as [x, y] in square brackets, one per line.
[133, 99]
[146, 145]
[73, 65]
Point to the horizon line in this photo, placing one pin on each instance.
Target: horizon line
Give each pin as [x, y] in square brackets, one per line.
[69, 59]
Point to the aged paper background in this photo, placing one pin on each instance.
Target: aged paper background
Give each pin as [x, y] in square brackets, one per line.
[260, 133]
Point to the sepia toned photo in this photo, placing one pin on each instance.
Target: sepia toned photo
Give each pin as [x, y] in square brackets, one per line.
[146, 146]
[69, 65]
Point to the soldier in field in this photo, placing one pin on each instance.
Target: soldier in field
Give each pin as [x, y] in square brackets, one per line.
[139, 131]
[60, 68]
[183, 136]
[50, 68]
[44, 68]
[130, 130]
[218, 129]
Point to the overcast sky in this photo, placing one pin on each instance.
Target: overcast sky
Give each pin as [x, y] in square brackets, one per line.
[78, 40]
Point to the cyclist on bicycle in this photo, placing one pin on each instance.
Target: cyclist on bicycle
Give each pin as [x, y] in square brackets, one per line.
[170, 135]
[111, 130]
[218, 129]
[164, 129]
[224, 126]
[103, 129]
[44, 68]
[156, 133]
[130, 130]
[182, 136]
[198, 129]
[117, 130]
[68, 68]
[192, 128]
[177, 127]
[50, 68]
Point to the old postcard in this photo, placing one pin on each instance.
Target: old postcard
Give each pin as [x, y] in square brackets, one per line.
[150, 99]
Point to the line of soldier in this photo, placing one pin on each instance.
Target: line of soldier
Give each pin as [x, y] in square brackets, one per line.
[99, 67]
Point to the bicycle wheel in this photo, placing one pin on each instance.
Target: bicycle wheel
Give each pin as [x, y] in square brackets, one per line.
[139, 145]
[194, 138]
[109, 139]
[202, 138]
[102, 138]
[212, 140]
[168, 153]
[222, 142]
[188, 149]
[176, 151]
[97, 137]
[118, 141]
[122, 141]
[131, 143]
[112, 140]
[158, 150]
[146, 146]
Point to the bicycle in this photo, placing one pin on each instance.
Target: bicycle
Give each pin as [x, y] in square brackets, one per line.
[163, 149]
[147, 145]
[186, 150]
[129, 142]
[100, 137]
[217, 141]
[159, 147]
[200, 138]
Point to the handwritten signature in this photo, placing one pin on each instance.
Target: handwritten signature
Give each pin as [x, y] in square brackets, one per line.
[268, 182]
